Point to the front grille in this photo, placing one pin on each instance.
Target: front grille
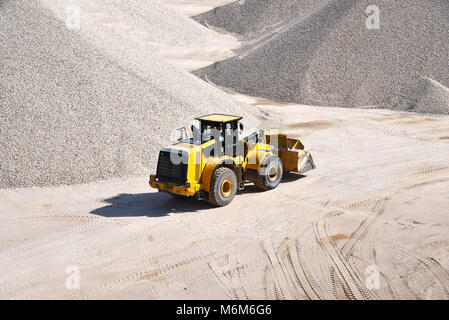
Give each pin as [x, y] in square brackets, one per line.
[168, 171]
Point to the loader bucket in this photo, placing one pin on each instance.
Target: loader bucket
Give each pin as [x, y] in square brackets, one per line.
[292, 153]
[305, 163]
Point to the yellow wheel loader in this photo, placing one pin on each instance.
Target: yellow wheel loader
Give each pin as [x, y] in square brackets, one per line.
[215, 162]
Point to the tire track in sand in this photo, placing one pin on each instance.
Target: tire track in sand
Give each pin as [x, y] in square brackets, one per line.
[285, 276]
[229, 273]
[430, 266]
[352, 284]
[277, 283]
[360, 232]
[299, 272]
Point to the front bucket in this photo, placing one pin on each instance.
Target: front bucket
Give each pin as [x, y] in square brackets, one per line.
[305, 163]
[292, 153]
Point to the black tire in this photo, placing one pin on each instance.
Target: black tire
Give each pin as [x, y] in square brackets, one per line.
[270, 173]
[223, 187]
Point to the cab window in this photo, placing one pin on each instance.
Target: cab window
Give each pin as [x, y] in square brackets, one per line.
[210, 131]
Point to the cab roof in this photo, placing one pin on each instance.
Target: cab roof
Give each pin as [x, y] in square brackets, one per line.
[217, 117]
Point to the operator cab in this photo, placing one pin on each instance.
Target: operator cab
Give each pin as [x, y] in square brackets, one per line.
[224, 129]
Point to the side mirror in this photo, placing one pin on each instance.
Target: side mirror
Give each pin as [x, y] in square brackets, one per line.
[241, 126]
[195, 133]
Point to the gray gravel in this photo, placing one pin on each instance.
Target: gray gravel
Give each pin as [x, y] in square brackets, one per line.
[423, 95]
[249, 19]
[158, 23]
[330, 58]
[82, 105]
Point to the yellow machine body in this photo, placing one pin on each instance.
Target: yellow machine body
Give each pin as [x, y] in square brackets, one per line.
[194, 176]
[200, 169]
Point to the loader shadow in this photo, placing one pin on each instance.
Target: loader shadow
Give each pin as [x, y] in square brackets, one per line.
[290, 177]
[154, 204]
[160, 204]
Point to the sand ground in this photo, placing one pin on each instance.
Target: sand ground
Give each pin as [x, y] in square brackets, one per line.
[220, 47]
[194, 7]
[377, 204]
[377, 198]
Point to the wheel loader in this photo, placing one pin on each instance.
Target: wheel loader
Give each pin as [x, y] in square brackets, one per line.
[215, 162]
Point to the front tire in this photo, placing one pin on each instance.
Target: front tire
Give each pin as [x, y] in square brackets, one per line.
[223, 187]
[270, 173]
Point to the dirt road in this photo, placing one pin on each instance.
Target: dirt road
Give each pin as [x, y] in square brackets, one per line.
[379, 198]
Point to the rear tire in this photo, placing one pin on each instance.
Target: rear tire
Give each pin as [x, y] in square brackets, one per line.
[223, 187]
[270, 173]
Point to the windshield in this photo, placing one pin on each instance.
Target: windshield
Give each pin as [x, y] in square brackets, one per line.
[211, 130]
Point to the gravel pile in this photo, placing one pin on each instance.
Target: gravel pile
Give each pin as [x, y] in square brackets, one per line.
[151, 20]
[423, 95]
[331, 58]
[249, 19]
[87, 104]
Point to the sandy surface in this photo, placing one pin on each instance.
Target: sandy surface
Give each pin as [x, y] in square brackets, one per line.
[194, 7]
[378, 197]
[220, 46]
